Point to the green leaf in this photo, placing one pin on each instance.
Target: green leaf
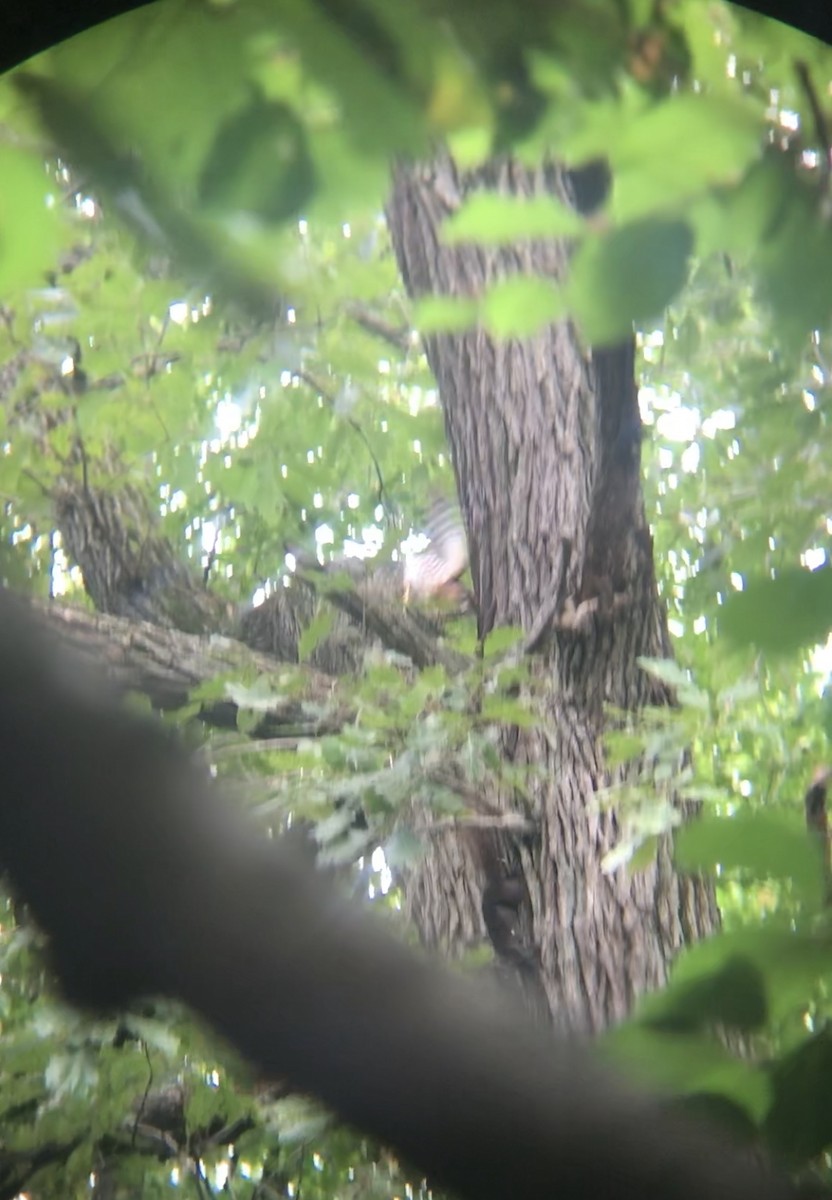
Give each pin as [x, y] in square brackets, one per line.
[799, 1124]
[619, 856]
[346, 850]
[733, 1120]
[765, 844]
[792, 963]
[490, 218]
[259, 697]
[781, 615]
[740, 219]
[362, 56]
[644, 856]
[520, 306]
[315, 632]
[508, 712]
[686, 1064]
[444, 314]
[679, 148]
[403, 849]
[335, 826]
[500, 640]
[212, 1107]
[621, 746]
[795, 267]
[667, 670]
[775, 222]
[627, 276]
[734, 995]
[300, 1121]
[30, 234]
[259, 164]
[156, 1034]
[71, 1073]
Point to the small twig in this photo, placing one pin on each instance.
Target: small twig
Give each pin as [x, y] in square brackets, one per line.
[82, 450]
[148, 1086]
[484, 814]
[34, 479]
[155, 1141]
[821, 125]
[354, 425]
[211, 557]
[382, 490]
[7, 320]
[203, 1187]
[300, 1172]
[230, 1133]
[397, 336]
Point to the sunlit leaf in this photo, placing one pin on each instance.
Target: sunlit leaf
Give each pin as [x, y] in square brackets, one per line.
[508, 712]
[520, 306]
[500, 640]
[490, 218]
[444, 313]
[30, 233]
[677, 149]
[621, 746]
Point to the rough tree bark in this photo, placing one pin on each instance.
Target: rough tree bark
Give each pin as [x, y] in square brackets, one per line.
[131, 570]
[545, 437]
[166, 666]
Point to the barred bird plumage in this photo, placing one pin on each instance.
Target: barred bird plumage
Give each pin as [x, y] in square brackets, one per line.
[435, 572]
[430, 574]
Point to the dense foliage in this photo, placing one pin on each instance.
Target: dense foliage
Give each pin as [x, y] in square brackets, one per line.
[199, 299]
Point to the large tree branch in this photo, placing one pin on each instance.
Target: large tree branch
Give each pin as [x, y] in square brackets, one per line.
[373, 602]
[166, 665]
[138, 873]
[397, 629]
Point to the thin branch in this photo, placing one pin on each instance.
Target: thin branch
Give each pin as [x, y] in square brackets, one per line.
[397, 336]
[821, 124]
[203, 1187]
[354, 425]
[267, 745]
[143, 1102]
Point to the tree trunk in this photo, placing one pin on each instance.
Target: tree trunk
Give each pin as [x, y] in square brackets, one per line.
[545, 437]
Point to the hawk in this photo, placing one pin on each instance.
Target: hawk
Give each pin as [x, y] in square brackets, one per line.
[435, 572]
